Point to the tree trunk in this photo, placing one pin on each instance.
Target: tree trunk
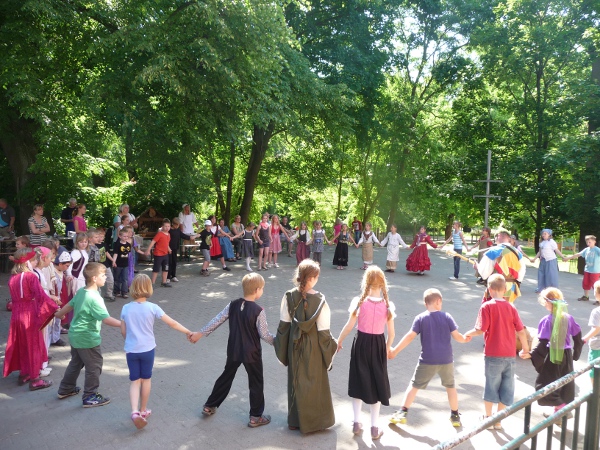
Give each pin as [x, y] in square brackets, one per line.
[260, 144]
[339, 193]
[227, 212]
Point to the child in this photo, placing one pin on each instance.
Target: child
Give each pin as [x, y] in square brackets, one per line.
[436, 328]
[247, 248]
[554, 355]
[318, 236]
[264, 241]
[225, 238]
[498, 320]
[305, 313]
[592, 337]
[205, 244]
[64, 286]
[177, 234]
[25, 348]
[367, 240]
[216, 252]
[276, 231]
[368, 380]
[247, 326]
[482, 244]
[161, 253]
[80, 259]
[591, 273]
[458, 240]
[121, 254]
[548, 270]
[393, 241]
[84, 335]
[418, 261]
[99, 253]
[340, 257]
[302, 248]
[137, 323]
[20, 242]
[125, 221]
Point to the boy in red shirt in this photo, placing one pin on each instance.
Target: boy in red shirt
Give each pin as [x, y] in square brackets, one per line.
[497, 321]
[161, 253]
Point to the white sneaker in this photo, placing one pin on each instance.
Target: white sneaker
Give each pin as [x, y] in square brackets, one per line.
[45, 372]
[276, 265]
[267, 265]
[453, 278]
[174, 279]
[168, 281]
[249, 269]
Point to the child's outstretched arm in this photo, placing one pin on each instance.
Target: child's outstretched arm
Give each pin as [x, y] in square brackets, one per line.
[63, 311]
[263, 328]
[215, 323]
[123, 329]
[391, 334]
[590, 334]
[112, 322]
[346, 330]
[175, 325]
[460, 337]
[473, 332]
[406, 339]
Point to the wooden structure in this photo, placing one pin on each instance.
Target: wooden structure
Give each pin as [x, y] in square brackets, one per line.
[149, 222]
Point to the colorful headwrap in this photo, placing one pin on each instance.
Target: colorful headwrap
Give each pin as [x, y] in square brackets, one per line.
[560, 326]
[25, 258]
[546, 230]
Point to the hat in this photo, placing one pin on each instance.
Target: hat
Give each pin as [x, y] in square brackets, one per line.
[64, 257]
[207, 223]
[45, 251]
[547, 230]
[184, 205]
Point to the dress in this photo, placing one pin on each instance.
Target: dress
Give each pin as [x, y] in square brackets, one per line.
[418, 260]
[368, 239]
[25, 348]
[302, 250]
[247, 244]
[368, 379]
[318, 236]
[215, 249]
[305, 345]
[393, 242]
[340, 257]
[275, 239]
[547, 370]
[226, 246]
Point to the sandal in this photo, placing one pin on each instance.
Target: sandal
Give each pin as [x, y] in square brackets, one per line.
[209, 410]
[138, 420]
[259, 421]
[146, 414]
[293, 428]
[36, 384]
[23, 379]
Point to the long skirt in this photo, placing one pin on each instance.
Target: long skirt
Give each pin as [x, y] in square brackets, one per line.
[551, 372]
[547, 274]
[418, 260]
[226, 248]
[302, 252]
[367, 252]
[368, 378]
[215, 249]
[340, 257]
[275, 244]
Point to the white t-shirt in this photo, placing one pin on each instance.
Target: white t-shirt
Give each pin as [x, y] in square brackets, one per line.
[547, 249]
[187, 222]
[139, 323]
[595, 322]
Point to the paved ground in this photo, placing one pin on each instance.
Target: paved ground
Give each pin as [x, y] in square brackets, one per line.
[184, 373]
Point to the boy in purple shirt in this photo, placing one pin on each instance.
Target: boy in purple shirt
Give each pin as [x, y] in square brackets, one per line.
[436, 328]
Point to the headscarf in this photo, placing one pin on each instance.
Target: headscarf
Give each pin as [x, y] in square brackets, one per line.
[546, 230]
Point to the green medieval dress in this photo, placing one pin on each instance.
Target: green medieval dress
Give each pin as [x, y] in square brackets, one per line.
[304, 344]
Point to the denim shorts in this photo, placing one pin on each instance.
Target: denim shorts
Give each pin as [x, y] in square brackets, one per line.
[499, 380]
[140, 365]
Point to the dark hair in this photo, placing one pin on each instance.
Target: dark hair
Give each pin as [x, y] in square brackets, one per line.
[165, 220]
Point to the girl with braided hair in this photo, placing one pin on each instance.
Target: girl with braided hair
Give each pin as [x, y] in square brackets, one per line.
[305, 345]
[368, 381]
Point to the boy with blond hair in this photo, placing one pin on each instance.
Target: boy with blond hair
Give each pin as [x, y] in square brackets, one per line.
[591, 272]
[247, 326]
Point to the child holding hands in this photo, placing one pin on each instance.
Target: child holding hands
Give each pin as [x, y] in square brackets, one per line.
[247, 326]
[592, 337]
[435, 328]
[368, 380]
[137, 323]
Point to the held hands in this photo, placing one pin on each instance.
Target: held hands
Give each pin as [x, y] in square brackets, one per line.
[194, 337]
[390, 354]
[524, 355]
[339, 347]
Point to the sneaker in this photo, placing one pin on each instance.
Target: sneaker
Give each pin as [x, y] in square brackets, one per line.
[174, 280]
[249, 269]
[95, 400]
[45, 372]
[276, 265]
[165, 285]
[226, 269]
[455, 420]
[399, 417]
[59, 343]
[583, 298]
[69, 394]
[109, 299]
[168, 280]
[259, 421]
[453, 278]
[204, 273]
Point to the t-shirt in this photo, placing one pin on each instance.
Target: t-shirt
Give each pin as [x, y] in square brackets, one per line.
[122, 250]
[595, 322]
[67, 214]
[499, 320]
[80, 223]
[88, 313]
[205, 239]
[545, 329]
[37, 239]
[161, 248]
[435, 329]
[592, 259]
[357, 225]
[5, 215]
[187, 222]
[547, 249]
[139, 322]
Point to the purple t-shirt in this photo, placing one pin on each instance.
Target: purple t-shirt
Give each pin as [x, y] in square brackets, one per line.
[435, 329]
[545, 330]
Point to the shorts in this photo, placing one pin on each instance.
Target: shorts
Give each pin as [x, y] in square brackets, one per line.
[588, 280]
[265, 244]
[160, 262]
[592, 355]
[425, 372]
[140, 365]
[206, 254]
[499, 380]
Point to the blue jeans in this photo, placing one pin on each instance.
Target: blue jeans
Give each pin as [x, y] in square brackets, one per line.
[457, 262]
[499, 380]
[121, 275]
[357, 236]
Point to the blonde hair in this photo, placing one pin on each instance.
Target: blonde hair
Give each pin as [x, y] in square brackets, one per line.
[80, 237]
[497, 282]
[373, 278]
[306, 269]
[251, 282]
[141, 286]
[431, 295]
[550, 294]
[91, 270]
[23, 267]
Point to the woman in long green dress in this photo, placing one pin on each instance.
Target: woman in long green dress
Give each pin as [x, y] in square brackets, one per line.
[305, 345]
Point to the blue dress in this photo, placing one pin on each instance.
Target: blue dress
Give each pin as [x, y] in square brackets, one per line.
[226, 246]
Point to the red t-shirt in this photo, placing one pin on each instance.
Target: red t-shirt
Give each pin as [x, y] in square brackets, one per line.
[161, 248]
[499, 321]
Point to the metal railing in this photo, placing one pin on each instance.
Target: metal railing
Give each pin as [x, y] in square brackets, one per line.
[592, 420]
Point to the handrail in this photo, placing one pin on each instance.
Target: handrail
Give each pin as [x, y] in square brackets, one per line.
[497, 417]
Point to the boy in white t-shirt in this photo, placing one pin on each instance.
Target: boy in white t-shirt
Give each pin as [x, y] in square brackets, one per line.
[593, 336]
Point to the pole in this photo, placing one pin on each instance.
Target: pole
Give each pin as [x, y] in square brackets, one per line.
[487, 182]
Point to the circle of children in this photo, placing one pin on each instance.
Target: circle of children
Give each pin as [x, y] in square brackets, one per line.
[46, 277]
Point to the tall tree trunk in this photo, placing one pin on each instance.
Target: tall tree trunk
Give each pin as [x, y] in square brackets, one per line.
[339, 193]
[260, 144]
[227, 212]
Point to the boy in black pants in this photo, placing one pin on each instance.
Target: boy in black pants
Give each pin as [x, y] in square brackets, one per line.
[247, 325]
